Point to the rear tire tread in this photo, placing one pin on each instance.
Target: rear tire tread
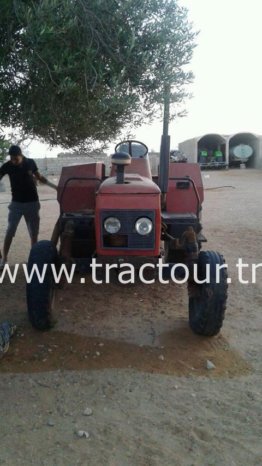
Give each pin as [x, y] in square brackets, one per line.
[39, 295]
[207, 308]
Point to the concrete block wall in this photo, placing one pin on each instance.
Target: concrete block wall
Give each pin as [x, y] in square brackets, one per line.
[53, 166]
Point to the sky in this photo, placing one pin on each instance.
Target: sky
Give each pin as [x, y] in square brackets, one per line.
[227, 65]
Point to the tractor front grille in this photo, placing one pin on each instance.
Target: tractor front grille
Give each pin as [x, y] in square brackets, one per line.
[127, 237]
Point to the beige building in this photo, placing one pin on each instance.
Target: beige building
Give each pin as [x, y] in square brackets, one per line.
[217, 150]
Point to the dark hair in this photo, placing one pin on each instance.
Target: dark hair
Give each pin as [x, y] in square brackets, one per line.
[15, 150]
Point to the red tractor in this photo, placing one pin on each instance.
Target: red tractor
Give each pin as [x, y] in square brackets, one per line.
[132, 217]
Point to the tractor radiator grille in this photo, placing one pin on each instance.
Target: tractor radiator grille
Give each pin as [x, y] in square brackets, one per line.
[127, 237]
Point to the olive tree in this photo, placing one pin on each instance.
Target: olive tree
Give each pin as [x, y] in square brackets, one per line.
[4, 146]
[77, 71]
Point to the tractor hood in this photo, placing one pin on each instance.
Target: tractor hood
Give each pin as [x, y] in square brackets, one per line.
[134, 184]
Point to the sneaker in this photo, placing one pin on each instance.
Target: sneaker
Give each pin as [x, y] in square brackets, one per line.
[2, 264]
[7, 330]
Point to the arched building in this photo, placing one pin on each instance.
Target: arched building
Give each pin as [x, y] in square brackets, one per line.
[209, 150]
[244, 148]
[218, 150]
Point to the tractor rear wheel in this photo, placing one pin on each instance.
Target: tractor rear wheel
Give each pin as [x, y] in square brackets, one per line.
[40, 292]
[207, 302]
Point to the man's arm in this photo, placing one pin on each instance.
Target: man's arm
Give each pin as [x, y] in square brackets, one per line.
[2, 171]
[44, 180]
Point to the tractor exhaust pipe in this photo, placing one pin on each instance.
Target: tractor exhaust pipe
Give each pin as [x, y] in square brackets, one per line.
[165, 145]
[120, 174]
[120, 160]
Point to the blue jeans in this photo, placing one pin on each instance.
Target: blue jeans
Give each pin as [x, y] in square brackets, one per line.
[30, 212]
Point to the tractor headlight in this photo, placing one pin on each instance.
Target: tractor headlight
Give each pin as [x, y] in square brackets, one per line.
[112, 225]
[143, 226]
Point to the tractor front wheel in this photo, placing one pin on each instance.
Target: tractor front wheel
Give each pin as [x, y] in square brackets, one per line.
[40, 290]
[207, 301]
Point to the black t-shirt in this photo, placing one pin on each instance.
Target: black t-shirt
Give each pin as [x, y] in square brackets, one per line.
[22, 182]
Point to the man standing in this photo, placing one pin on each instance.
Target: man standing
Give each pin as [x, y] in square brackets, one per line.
[23, 174]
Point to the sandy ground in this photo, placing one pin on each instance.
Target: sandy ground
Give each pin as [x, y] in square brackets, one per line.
[127, 353]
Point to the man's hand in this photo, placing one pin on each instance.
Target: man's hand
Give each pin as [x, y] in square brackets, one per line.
[51, 185]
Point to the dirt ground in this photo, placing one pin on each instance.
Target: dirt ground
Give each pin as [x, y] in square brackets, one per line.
[126, 352]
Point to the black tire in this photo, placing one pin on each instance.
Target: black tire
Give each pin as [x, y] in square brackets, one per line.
[207, 302]
[40, 295]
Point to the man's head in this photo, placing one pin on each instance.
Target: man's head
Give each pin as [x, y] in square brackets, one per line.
[16, 155]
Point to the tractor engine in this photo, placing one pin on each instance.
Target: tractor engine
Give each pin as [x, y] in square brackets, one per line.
[127, 216]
